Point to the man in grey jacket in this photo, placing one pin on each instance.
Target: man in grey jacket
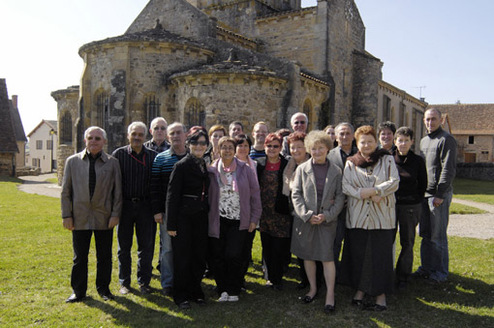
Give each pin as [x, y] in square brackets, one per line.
[439, 151]
[91, 203]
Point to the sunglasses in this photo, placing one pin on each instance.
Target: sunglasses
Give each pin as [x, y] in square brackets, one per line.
[299, 122]
[162, 128]
[198, 143]
[94, 138]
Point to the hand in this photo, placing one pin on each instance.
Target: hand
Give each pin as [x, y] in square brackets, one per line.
[316, 219]
[376, 199]
[113, 222]
[437, 201]
[252, 226]
[172, 233]
[158, 218]
[367, 192]
[68, 223]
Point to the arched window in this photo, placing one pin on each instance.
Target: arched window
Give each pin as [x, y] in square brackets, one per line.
[151, 108]
[194, 113]
[66, 128]
[386, 108]
[307, 110]
[102, 108]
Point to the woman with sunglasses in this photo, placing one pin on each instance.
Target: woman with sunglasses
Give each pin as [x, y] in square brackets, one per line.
[276, 222]
[187, 217]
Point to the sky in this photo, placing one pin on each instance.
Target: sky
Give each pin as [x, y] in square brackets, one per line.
[438, 49]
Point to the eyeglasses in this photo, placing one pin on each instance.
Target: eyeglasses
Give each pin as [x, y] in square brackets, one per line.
[273, 146]
[227, 148]
[198, 143]
[299, 122]
[162, 128]
[94, 138]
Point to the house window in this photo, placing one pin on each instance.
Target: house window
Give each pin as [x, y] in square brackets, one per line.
[194, 113]
[36, 162]
[471, 140]
[39, 144]
[49, 144]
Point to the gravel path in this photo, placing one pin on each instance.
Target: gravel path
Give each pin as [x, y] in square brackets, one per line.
[479, 226]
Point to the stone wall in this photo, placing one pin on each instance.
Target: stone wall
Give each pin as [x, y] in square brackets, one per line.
[482, 147]
[64, 151]
[7, 164]
[476, 171]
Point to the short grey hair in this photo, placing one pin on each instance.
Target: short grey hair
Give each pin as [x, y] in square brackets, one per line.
[156, 120]
[139, 125]
[92, 128]
[342, 124]
[317, 136]
[174, 124]
[297, 114]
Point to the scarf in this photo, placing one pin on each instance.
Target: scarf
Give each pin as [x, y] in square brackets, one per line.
[223, 170]
[362, 162]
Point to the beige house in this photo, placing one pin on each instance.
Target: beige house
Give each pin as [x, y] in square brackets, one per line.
[42, 152]
[472, 125]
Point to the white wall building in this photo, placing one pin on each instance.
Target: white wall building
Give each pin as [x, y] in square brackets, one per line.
[42, 153]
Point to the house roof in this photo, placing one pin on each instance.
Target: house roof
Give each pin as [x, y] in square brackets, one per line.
[8, 143]
[51, 124]
[20, 135]
[472, 119]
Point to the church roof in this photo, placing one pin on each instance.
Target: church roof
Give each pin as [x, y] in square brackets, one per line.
[7, 137]
[157, 34]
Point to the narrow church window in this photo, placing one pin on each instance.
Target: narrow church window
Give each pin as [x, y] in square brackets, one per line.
[386, 108]
[102, 109]
[471, 140]
[151, 108]
[307, 110]
[66, 128]
[194, 113]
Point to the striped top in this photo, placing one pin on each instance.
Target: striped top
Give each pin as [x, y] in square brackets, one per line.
[136, 171]
[160, 176]
[256, 153]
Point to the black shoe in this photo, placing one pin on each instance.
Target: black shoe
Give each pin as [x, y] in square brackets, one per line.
[167, 291]
[185, 305]
[145, 289]
[74, 298]
[307, 299]
[329, 309]
[419, 275]
[376, 308]
[357, 303]
[200, 301]
[107, 296]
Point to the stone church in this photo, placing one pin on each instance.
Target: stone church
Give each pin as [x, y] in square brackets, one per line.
[203, 62]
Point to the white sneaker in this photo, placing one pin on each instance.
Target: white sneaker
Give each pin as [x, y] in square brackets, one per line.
[233, 298]
[224, 297]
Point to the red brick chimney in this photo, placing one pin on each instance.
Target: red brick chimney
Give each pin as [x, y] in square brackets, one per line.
[14, 101]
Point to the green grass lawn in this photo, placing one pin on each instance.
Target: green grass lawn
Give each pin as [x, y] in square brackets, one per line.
[479, 191]
[456, 208]
[36, 258]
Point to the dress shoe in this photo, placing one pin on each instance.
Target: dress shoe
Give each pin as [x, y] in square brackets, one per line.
[185, 305]
[329, 309]
[107, 296]
[145, 289]
[358, 303]
[167, 291]
[74, 298]
[419, 275]
[307, 299]
[376, 308]
[124, 290]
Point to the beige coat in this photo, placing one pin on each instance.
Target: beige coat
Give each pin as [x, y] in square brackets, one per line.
[364, 213]
[91, 214]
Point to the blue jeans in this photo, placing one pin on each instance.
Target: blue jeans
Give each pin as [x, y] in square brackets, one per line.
[166, 256]
[433, 230]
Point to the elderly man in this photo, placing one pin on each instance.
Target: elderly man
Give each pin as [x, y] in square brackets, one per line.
[91, 204]
[162, 169]
[299, 122]
[259, 133]
[135, 164]
[157, 129]
[338, 156]
[235, 129]
[439, 151]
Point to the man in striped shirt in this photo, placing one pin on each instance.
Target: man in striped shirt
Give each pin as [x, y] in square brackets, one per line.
[135, 164]
[162, 169]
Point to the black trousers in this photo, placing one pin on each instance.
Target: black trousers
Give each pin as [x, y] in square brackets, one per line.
[229, 257]
[275, 250]
[190, 247]
[408, 217]
[81, 240]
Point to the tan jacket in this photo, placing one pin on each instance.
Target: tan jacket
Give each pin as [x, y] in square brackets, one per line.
[304, 193]
[91, 214]
[364, 213]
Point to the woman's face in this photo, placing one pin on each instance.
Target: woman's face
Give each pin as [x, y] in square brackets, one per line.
[243, 150]
[227, 151]
[216, 136]
[366, 144]
[273, 149]
[319, 151]
[297, 150]
[331, 133]
[198, 147]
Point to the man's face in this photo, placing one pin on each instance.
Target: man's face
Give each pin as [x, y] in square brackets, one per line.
[158, 131]
[386, 138]
[344, 136]
[403, 144]
[136, 137]
[235, 130]
[95, 142]
[299, 123]
[432, 120]
[176, 136]
[259, 133]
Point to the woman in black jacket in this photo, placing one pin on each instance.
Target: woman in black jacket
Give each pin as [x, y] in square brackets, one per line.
[187, 217]
[276, 222]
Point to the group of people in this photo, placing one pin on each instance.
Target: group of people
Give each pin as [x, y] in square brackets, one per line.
[210, 191]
